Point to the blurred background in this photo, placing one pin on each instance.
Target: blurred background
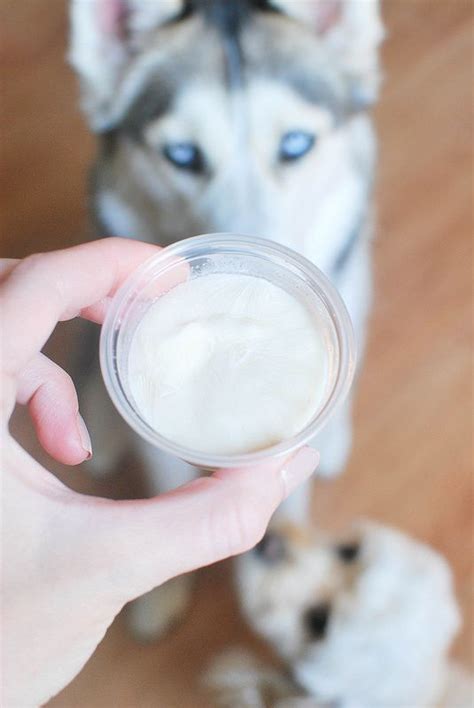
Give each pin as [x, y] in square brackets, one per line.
[411, 466]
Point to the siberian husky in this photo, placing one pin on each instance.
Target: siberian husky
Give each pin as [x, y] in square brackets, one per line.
[247, 116]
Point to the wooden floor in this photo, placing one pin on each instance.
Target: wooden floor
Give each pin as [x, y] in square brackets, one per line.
[412, 462]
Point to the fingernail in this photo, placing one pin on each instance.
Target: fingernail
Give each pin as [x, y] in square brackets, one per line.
[299, 468]
[84, 436]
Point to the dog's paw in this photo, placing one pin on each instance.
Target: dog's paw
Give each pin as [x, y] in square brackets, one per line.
[238, 679]
[151, 616]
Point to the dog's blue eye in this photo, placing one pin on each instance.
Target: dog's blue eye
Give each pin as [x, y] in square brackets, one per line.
[185, 156]
[295, 144]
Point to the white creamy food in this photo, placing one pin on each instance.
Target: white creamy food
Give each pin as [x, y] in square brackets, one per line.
[227, 364]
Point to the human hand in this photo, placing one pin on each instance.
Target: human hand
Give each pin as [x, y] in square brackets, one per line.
[70, 562]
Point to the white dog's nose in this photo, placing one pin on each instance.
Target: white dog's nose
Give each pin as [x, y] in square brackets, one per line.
[348, 552]
[316, 620]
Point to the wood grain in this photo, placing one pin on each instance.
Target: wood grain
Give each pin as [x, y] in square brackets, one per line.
[412, 462]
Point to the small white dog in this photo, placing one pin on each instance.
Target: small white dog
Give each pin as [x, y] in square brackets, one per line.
[366, 622]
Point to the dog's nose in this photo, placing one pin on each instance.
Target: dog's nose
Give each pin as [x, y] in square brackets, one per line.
[271, 548]
[316, 619]
[348, 552]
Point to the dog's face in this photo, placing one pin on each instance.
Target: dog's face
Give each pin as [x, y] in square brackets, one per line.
[363, 620]
[241, 115]
[291, 583]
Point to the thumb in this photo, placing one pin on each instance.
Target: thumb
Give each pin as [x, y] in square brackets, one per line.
[150, 541]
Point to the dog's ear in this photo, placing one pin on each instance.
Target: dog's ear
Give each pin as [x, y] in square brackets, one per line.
[352, 30]
[104, 34]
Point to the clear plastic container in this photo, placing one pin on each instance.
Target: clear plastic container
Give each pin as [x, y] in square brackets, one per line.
[226, 253]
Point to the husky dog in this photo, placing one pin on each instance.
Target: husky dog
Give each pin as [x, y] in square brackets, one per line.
[240, 116]
[362, 622]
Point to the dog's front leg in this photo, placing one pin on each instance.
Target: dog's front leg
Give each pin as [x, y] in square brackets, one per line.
[335, 442]
[153, 614]
[334, 445]
[355, 285]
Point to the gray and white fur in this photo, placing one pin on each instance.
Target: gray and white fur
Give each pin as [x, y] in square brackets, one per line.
[242, 116]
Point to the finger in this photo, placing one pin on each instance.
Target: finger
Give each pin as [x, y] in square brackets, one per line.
[46, 288]
[169, 278]
[150, 541]
[6, 266]
[97, 311]
[52, 401]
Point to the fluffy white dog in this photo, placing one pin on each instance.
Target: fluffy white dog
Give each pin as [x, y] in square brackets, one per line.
[363, 622]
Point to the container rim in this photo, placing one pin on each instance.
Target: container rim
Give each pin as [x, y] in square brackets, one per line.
[229, 243]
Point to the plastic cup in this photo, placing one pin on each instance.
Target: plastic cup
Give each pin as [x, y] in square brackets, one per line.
[227, 253]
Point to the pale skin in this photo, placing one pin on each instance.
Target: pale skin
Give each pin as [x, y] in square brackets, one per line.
[70, 562]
